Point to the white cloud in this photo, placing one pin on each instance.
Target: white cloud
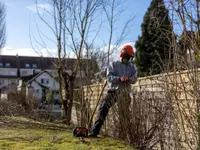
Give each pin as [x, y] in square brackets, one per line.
[53, 52]
[31, 52]
[25, 52]
[40, 8]
[117, 50]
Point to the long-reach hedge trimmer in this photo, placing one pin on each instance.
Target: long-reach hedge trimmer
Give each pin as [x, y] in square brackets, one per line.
[97, 104]
[82, 132]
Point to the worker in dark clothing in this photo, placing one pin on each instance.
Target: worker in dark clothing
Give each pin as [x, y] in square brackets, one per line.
[120, 75]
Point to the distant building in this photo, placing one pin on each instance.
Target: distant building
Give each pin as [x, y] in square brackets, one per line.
[42, 86]
[13, 68]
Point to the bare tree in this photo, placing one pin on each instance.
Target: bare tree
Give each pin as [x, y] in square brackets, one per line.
[72, 20]
[72, 24]
[185, 44]
[113, 10]
[2, 25]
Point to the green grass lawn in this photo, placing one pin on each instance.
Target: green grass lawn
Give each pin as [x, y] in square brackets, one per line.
[17, 133]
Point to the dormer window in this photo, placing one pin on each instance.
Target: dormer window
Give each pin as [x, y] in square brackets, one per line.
[27, 65]
[45, 81]
[34, 66]
[7, 64]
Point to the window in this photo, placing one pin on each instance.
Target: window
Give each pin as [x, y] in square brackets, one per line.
[7, 64]
[57, 102]
[27, 65]
[37, 70]
[1, 64]
[1, 82]
[45, 81]
[34, 65]
[37, 91]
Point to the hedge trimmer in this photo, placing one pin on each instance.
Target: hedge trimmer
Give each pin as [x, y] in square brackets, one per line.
[82, 132]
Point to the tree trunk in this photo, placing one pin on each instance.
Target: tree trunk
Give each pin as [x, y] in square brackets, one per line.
[68, 102]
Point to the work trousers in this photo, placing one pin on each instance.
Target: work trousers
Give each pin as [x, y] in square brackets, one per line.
[108, 101]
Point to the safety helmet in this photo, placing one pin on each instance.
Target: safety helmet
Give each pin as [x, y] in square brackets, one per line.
[127, 50]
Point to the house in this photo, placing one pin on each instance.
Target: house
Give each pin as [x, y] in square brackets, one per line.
[42, 86]
[14, 67]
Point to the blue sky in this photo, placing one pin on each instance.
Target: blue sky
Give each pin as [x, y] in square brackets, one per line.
[21, 24]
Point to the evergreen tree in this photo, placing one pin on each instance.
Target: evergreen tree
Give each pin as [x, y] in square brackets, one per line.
[153, 46]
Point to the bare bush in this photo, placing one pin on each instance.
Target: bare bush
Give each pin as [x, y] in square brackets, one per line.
[17, 104]
[141, 120]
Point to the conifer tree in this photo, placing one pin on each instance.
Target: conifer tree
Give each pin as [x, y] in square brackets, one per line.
[153, 51]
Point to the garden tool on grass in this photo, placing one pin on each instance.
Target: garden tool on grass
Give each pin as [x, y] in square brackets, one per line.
[80, 132]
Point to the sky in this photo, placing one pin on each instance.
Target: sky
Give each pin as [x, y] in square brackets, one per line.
[23, 27]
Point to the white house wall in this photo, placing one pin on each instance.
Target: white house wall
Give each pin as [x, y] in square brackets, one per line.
[37, 90]
[53, 85]
[5, 82]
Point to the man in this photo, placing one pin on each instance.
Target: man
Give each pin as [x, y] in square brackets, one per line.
[120, 75]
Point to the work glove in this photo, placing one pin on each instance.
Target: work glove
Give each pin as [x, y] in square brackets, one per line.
[124, 79]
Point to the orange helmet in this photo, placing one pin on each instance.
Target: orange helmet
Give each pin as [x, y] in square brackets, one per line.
[127, 50]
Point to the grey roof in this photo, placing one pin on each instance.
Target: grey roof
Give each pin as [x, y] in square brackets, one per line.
[21, 61]
[33, 77]
[27, 78]
[44, 63]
